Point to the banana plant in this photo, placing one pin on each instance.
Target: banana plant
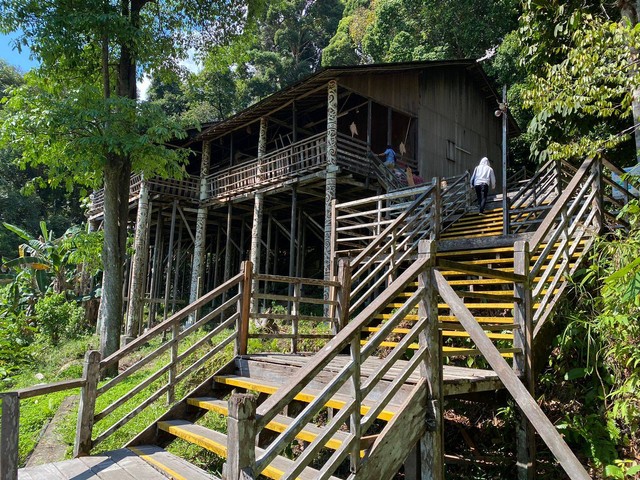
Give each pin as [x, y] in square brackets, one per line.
[46, 257]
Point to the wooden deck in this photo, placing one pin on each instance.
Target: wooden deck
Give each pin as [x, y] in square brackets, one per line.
[145, 463]
[457, 380]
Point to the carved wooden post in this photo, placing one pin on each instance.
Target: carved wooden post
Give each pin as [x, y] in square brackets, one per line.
[436, 209]
[241, 435]
[201, 225]
[138, 266]
[86, 409]
[523, 362]
[258, 206]
[9, 436]
[244, 307]
[432, 443]
[332, 168]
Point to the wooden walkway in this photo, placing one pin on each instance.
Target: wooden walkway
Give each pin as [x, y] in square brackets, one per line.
[140, 463]
[457, 380]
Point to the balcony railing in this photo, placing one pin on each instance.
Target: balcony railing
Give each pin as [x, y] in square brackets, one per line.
[186, 188]
[278, 167]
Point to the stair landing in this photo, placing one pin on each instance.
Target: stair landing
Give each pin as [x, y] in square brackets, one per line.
[139, 463]
[456, 380]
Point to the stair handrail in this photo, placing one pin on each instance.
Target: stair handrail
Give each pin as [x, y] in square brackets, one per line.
[519, 391]
[229, 315]
[349, 375]
[567, 232]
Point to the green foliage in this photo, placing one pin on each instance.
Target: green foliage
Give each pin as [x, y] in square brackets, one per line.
[581, 82]
[599, 359]
[57, 318]
[405, 30]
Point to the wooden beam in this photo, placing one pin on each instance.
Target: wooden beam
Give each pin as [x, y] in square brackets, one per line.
[512, 383]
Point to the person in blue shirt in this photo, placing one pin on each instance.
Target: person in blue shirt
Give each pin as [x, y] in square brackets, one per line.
[390, 157]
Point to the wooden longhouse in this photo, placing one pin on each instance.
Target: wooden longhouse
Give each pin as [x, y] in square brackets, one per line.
[260, 184]
[285, 207]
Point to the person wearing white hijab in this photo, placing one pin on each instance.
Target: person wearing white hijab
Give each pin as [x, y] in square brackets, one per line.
[481, 178]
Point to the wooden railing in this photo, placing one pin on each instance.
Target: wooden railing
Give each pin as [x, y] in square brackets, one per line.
[307, 155]
[384, 231]
[290, 301]
[567, 232]
[184, 188]
[186, 341]
[373, 390]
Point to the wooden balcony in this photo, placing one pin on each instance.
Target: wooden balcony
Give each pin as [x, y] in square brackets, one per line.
[185, 188]
[279, 167]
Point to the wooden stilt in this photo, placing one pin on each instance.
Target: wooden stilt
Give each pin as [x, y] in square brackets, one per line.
[201, 225]
[167, 285]
[227, 245]
[176, 273]
[155, 273]
[267, 259]
[331, 172]
[139, 263]
[292, 241]
[216, 260]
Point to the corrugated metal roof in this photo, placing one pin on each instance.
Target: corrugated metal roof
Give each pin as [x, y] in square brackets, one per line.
[316, 80]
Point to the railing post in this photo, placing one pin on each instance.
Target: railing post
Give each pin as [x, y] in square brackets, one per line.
[344, 293]
[173, 369]
[241, 435]
[598, 203]
[86, 409]
[468, 189]
[244, 309]
[297, 294]
[523, 362]
[432, 443]
[355, 425]
[506, 214]
[9, 436]
[436, 209]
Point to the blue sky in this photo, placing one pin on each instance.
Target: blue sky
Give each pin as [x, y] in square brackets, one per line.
[12, 57]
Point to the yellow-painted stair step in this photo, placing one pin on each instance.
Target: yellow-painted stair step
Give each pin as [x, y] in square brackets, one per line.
[216, 442]
[278, 424]
[445, 333]
[307, 395]
[451, 351]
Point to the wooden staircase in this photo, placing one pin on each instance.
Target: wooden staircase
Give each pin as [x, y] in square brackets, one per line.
[356, 407]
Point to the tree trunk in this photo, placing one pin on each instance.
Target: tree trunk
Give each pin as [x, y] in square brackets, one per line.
[117, 173]
[116, 202]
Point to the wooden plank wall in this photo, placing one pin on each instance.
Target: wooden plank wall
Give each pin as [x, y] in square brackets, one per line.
[452, 108]
[449, 106]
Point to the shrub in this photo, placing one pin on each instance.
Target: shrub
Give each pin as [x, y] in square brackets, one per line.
[58, 318]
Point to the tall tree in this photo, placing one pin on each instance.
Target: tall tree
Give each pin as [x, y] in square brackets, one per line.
[582, 77]
[80, 113]
[405, 30]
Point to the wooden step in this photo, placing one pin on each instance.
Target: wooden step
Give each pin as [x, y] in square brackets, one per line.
[216, 442]
[451, 351]
[278, 424]
[307, 395]
[445, 333]
[477, 306]
[448, 318]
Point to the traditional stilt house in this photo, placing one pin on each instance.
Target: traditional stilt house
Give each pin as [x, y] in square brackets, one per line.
[428, 301]
[261, 183]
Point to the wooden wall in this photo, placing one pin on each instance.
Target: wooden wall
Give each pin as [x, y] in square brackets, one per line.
[451, 110]
[397, 90]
